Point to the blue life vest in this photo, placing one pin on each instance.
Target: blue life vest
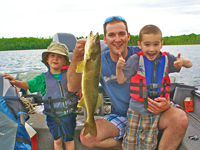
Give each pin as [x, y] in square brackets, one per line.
[57, 98]
[13, 135]
[151, 80]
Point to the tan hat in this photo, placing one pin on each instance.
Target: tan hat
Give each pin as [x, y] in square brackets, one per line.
[57, 48]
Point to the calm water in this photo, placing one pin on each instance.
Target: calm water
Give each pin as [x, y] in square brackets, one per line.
[23, 61]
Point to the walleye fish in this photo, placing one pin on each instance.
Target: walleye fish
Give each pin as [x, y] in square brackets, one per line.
[91, 69]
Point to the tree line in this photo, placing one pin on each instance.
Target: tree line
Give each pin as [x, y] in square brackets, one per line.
[25, 43]
[172, 40]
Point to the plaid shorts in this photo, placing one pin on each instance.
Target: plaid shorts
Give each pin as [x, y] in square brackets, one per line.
[118, 121]
[141, 131]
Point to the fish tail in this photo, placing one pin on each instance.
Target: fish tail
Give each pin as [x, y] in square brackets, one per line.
[90, 128]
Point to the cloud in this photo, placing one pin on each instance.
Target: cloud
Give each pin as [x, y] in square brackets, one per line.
[44, 18]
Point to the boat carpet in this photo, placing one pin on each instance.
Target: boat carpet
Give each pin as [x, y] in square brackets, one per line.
[193, 129]
[44, 137]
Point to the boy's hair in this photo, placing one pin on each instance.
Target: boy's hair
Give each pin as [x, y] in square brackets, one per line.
[149, 29]
[114, 19]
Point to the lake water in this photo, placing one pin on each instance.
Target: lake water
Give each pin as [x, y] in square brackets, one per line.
[23, 61]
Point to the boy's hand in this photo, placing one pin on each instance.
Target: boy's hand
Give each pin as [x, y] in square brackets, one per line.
[182, 62]
[158, 105]
[121, 62]
[178, 63]
[8, 76]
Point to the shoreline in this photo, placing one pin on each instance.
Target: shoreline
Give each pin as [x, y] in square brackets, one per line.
[46, 49]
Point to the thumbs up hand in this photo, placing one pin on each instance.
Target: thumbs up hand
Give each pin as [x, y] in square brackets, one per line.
[178, 56]
[121, 61]
[178, 63]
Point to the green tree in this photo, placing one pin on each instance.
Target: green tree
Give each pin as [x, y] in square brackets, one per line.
[42, 43]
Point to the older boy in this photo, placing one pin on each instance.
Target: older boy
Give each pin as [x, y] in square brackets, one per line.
[148, 71]
[53, 88]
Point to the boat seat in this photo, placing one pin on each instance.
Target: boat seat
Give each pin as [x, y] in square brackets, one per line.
[66, 38]
[6, 88]
[104, 46]
[70, 41]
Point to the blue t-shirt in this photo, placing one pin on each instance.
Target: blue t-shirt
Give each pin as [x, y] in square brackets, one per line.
[119, 94]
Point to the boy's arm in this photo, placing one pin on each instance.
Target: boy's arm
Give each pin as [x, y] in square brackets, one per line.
[119, 73]
[182, 62]
[73, 78]
[20, 84]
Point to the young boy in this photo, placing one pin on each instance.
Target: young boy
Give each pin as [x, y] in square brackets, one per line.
[59, 104]
[149, 71]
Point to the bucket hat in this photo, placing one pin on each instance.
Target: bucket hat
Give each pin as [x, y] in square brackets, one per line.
[57, 48]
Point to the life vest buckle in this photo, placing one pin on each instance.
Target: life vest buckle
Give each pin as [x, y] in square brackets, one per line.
[153, 93]
[66, 108]
[153, 86]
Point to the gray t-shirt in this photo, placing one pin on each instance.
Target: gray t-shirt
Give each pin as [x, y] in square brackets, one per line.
[130, 69]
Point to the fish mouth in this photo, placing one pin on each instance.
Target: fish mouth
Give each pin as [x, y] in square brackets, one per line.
[94, 38]
[91, 34]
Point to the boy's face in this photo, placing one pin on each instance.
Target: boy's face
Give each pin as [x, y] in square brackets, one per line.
[151, 45]
[55, 61]
[116, 37]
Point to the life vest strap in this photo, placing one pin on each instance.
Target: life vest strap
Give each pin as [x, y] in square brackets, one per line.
[23, 140]
[145, 103]
[156, 85]
[143, 94]
[152, 86]
[61, 99]
[138, 84]
[136, 92]
[55, 115]
[68, 108]
[156, 93]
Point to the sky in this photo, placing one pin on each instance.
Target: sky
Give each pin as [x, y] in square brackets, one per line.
[44, 18]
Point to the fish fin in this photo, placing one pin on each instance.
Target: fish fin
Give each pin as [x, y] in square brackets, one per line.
[81, 103]
[80, 67]
[90, 128]
[99, 102]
